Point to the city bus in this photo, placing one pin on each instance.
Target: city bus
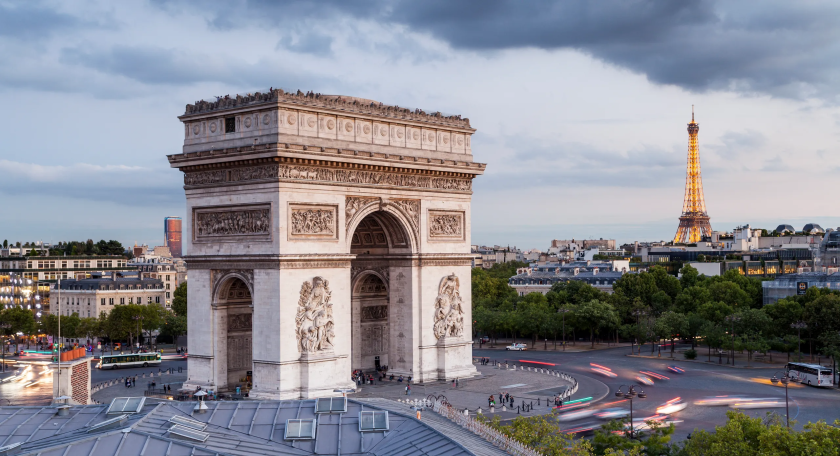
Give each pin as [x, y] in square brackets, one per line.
[130, 360]
[811, 374]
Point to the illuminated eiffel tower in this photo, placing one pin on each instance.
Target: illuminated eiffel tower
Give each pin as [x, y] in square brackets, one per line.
[694, 221]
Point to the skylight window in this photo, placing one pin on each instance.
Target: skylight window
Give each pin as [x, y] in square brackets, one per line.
[300, 429]
[188, 433]
[331, 405]
[190, 423]
[107, 424]
[126, 405]
[373, 421]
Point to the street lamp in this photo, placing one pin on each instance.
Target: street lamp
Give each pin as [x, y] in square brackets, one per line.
[564, 311]
[637, 313]
[630, 394]
[785, 380]
[732, 319]
[4, 327]
[138, 319]
[798, 326]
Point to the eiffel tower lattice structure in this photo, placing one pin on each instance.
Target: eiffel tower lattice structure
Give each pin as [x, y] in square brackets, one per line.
[694, 221]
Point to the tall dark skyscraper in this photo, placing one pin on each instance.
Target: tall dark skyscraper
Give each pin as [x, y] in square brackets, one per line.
[172, 235]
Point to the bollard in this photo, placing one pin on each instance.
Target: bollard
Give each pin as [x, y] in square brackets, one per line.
[504, 408]
[479, 411]
[517, 410]
[466, 412]
[538, 401]
[492, 408]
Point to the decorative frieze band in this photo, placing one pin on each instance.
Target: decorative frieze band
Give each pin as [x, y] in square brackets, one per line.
[217, 223]
[296, 173]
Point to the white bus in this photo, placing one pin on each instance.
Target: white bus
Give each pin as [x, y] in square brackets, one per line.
[130, 360]
[811, 374]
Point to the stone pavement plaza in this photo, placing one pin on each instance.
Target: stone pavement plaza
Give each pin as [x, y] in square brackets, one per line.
[472, 393]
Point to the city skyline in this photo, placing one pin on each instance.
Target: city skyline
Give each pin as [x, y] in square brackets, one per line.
[582, 128]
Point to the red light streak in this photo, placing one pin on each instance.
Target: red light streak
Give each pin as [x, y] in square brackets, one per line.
[616, 402]
[672, 401]
[600, 366]
[536, 362]
[655, 375]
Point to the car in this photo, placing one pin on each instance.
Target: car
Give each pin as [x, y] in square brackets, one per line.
[612, 413]
[673, 406]
[483, 339]
[644, 380]
[676, 369]
[516, 347]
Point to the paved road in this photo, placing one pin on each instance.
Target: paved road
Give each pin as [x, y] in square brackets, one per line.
[41, 394]
[699, 381]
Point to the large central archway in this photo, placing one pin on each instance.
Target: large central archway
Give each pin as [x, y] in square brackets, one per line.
[380, 242]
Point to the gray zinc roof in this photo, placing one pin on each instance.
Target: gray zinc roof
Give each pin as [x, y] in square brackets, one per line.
[243, 428]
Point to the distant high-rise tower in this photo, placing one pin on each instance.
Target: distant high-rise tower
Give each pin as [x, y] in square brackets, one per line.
[172, 235]
[694, 221]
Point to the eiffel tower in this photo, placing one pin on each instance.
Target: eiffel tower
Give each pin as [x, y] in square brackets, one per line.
[694, 221]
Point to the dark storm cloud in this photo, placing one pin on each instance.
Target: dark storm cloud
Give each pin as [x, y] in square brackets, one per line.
[786, 49]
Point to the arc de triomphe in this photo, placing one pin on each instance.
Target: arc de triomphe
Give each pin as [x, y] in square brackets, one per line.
[327, 234]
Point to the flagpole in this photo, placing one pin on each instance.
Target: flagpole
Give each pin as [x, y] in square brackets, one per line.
[59, 335]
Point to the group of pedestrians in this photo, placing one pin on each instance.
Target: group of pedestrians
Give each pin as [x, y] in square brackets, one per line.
[558, 400]
[130, 382]
[484, 361]
[505, 397]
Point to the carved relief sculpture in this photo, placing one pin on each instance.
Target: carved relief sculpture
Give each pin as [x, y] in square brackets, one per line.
[313, 221]
[231, 222]
[449, 314]
[239, 322]
[448, 225]
[322, 174]
[412, 208]
[352, 205]
[314, 320]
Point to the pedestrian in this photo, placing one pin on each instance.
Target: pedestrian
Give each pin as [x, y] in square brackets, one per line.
[408, 390]
[490, 401]
[511, 401]
[409, 379]
[133, 382]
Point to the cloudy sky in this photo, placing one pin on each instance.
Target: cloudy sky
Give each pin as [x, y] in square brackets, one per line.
[581, 107]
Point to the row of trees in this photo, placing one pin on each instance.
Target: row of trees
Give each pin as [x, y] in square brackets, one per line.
[726, 311]
[88, 247]
[741, 435]
[122, 323]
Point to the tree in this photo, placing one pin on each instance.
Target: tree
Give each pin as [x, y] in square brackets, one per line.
[730, 294]
[90, 247]
[674, 324]
[179, 299]
[746, 436]
[689, 276]
[154, 316]
[532, 316]
[174, 326]
[595, 315]
[89, 327]
[21, 321]
[714, 311]
[541, 434]
[5, 243]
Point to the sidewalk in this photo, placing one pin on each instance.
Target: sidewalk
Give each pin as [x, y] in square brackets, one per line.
[541, 346]
[780, 360]
[106, 394]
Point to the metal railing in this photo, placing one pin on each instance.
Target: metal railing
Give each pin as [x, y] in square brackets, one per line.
[483, 430]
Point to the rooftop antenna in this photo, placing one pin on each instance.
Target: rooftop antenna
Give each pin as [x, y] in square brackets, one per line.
[692, 113]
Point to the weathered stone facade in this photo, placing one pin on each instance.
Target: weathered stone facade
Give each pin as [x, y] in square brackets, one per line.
[326, 234]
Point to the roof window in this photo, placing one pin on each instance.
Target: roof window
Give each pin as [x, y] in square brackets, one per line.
[126, 405]
[373, 421]
[188, 433]
[331, 405]
[300, 429]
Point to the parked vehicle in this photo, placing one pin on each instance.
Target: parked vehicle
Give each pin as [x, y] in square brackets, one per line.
[517, 347]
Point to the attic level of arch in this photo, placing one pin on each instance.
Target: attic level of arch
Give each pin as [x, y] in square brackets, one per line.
[388, 160]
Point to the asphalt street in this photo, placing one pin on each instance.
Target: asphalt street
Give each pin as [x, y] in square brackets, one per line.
[807, 404]
[41, 394]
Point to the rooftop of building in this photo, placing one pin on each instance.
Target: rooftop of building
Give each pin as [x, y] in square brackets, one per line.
[238, 428]
[99, 280]
[335, 102]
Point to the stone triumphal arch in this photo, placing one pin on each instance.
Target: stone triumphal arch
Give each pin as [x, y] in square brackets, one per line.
[327, 234]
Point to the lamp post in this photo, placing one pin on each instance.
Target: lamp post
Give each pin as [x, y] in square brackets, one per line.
[563, 311]
[785, 380]
[637, 313]
[630, 394]
[4, 327]
[732, 319]
[798, 326]
[138, 319]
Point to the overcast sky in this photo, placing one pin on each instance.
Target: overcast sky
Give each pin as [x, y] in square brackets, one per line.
[581, 107]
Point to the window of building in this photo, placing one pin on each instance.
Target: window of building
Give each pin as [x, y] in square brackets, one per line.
[167, 295]
[110, 301]
[157, 299]
[150, 300]
[122, 300]
[103, 301]
[230, 125]
[167, 285]
[139, 300]
[130, 300]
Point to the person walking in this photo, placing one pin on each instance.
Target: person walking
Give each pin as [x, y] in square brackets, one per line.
[490, 401]
[408, 390]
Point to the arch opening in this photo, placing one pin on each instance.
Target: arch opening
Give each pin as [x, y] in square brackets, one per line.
[234, 308]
